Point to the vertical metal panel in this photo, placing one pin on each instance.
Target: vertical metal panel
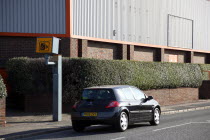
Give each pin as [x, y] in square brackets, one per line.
[145, 21]
[1, 14]
[33, 16]
[74, 24]
[123, 20]
[180, 32]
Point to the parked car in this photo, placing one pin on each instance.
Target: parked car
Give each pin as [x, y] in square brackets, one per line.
[116, 105]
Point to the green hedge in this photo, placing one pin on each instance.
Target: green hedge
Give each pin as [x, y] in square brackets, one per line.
[205, 67]
[32, 76]
[3, 91]
[29, 76]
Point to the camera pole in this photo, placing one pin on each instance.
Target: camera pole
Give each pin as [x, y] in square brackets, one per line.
[57, 85]
[50, 45]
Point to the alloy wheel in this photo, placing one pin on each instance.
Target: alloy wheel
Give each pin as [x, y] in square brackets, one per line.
[124, 121]
[157, 116]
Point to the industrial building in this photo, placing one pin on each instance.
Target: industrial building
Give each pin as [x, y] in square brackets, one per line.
[140, 30]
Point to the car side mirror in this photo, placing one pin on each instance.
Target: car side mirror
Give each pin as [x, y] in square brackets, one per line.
[150, 98]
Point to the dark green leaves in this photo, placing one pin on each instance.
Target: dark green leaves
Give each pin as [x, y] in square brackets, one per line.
[33, 76]
[3, 91]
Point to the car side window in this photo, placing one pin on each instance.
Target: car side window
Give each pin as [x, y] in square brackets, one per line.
[128, 93]
[121, 95]
[138, 94]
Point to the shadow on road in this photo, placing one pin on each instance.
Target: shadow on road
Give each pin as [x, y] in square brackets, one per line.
[89, 131]
[94, 130]
[28, 133]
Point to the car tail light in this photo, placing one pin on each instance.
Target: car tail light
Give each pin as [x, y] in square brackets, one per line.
[75, 105]
[112, 104]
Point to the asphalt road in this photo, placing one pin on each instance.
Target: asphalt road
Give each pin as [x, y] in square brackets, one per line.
[184, 126]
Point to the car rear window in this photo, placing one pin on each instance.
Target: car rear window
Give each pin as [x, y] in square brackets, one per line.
[98, 94]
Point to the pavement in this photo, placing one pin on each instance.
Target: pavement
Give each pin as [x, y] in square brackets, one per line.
[24, 125]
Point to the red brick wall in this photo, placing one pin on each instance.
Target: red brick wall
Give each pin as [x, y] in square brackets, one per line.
[4, 75]
[144, 54]
[199, 58]
[101, 50]
[174, 96]
[2, 112]
[17, 47]
[181, 55]
[25, 47]
[43, 103]
[204, 90]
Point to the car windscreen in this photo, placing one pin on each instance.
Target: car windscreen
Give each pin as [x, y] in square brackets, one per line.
[98, 94]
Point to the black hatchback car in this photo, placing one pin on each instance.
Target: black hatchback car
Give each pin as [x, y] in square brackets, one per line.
[119, 106]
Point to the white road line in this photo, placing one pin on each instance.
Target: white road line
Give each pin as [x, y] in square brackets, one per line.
[171, 127]
[200, 122]
[118, 138]
[208, 121]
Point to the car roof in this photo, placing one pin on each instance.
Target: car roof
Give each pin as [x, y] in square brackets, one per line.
[109, 87]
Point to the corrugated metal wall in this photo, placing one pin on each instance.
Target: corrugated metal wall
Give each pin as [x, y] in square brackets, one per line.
[180, 32]
[145, 21]
[33, 16]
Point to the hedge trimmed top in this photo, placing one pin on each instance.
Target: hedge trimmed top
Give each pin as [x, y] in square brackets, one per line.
[3, 91]
[28, 76]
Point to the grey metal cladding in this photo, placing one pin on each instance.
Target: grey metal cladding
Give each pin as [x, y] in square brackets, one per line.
[180, 32]
[145, 21]
[33, 16]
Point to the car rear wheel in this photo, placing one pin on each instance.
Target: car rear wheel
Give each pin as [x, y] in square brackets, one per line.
[156, 117]
[77, 126]
[122, 123]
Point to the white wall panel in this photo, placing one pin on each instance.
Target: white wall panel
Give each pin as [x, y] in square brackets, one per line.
[180, 32]
[145, 21]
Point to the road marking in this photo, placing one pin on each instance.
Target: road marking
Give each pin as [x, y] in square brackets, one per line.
[208, 121]
[118, 138]
[171, 127]
[201, 122]
[185, 110]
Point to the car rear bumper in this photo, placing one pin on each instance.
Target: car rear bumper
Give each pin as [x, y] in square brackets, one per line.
[101, 118]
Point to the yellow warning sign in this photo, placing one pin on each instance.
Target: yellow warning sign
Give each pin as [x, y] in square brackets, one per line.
[44, 45]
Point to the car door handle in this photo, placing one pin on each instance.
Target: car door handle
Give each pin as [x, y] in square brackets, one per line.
[129, 103]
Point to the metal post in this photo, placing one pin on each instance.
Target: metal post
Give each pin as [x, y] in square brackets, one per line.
[51, 46]
[57, 90]
[57, 86]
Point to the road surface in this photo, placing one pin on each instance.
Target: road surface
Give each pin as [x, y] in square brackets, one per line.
[183, 126]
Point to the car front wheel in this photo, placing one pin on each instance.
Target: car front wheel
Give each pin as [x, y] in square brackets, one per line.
[156, 117]
[122, 122]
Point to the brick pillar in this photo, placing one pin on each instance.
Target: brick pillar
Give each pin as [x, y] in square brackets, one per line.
[73, 47]
[131, 52]
[124, 52]
[189, 57]
[2, 112]
[84, 48]
[208, 58]
[162, 55]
